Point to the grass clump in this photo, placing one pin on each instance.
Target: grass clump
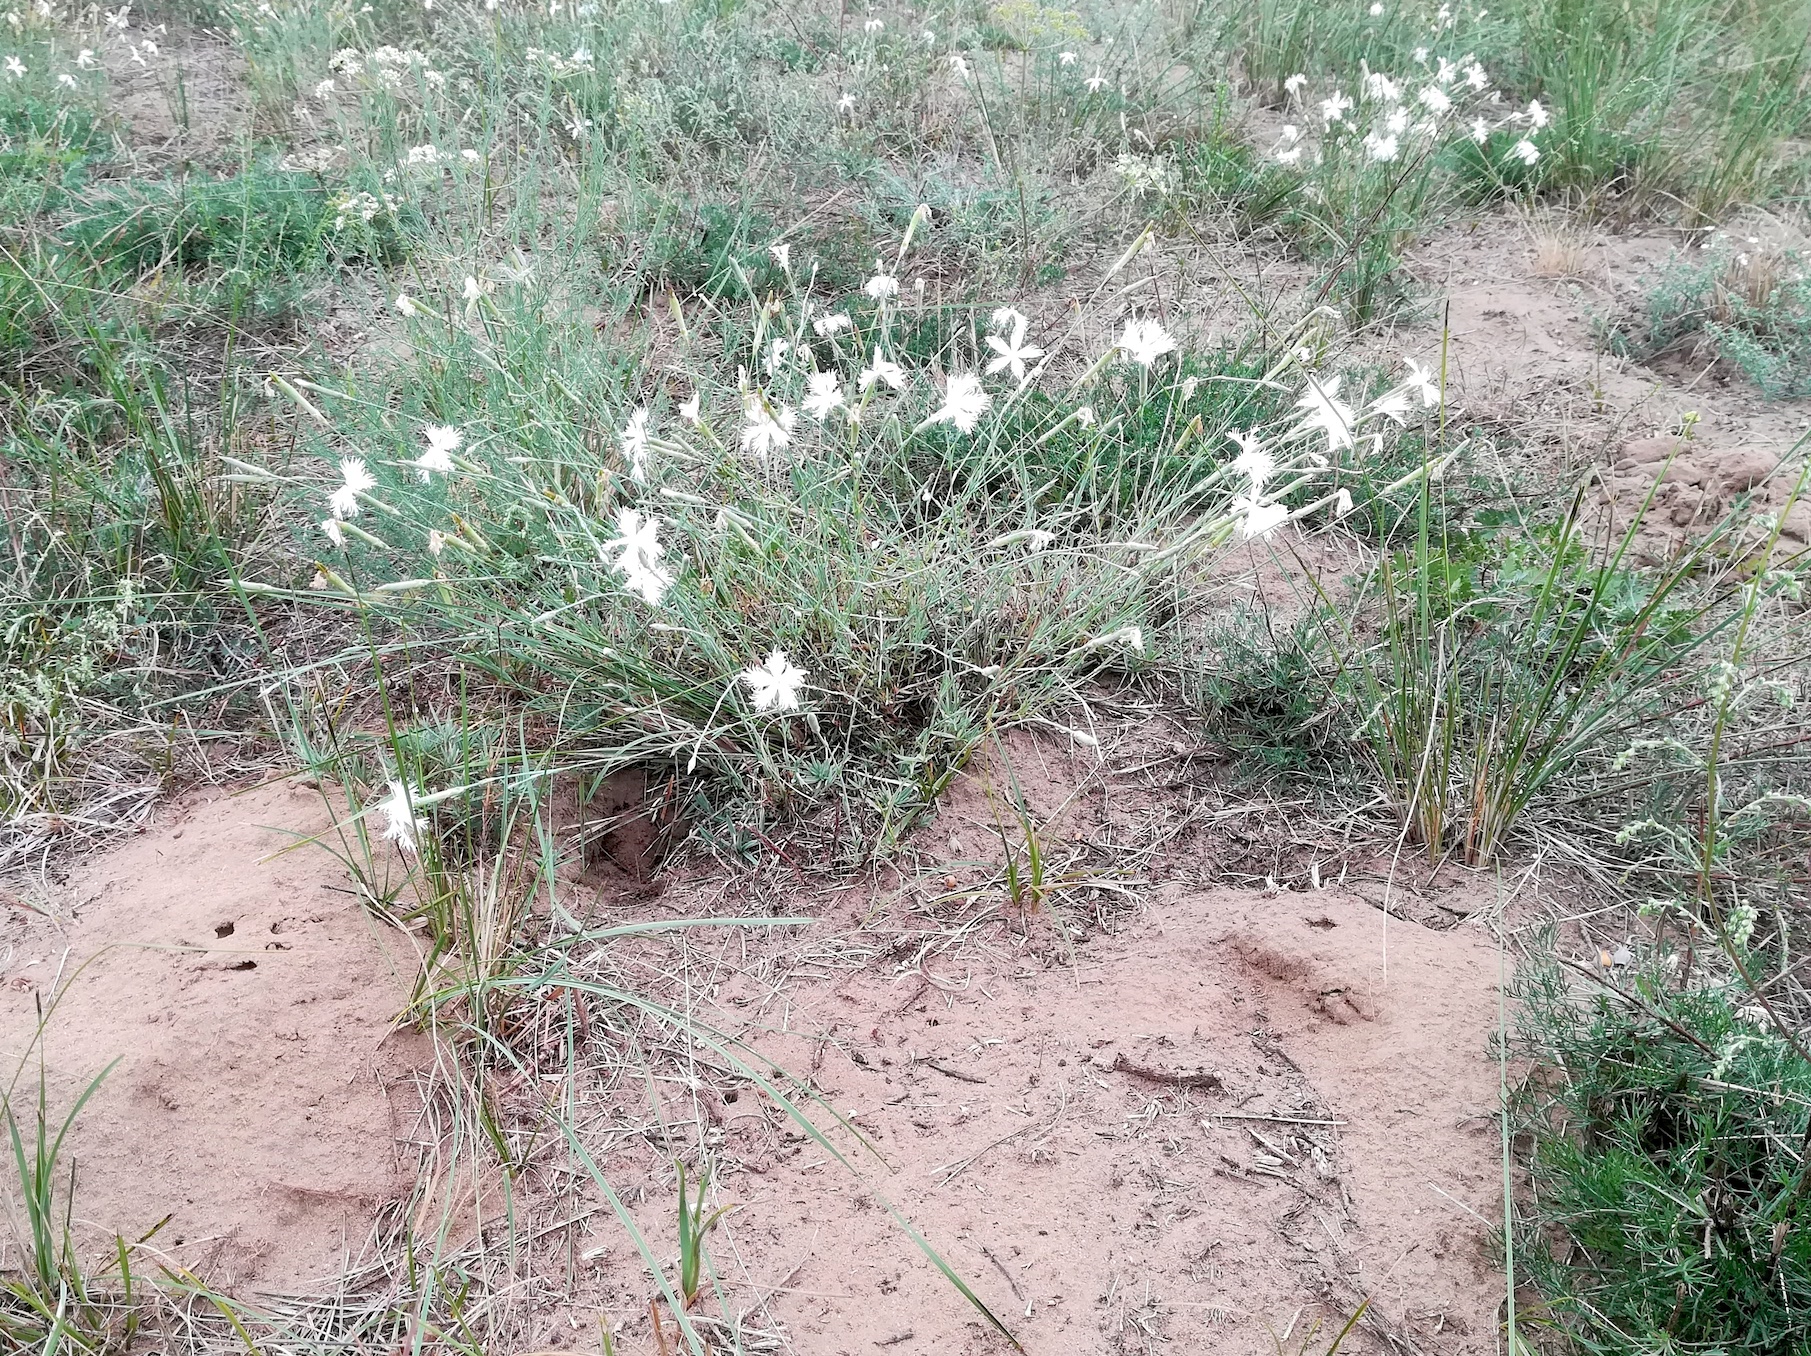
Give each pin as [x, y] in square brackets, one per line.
[1686, 100]
[1372, 156]
[1680, 108]
[623, 565]
[118, 590]
[1510, 660]
[258, 232]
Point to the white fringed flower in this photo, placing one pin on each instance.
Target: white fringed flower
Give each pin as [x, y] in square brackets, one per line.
[964, 402]
[888, 373]
[443, 440]
[402, 826]
[766, 431]
[1325, 413]
[1011, 353]
[638, 553]
[354, 481]
[774, 684]
[826, 394]
[635, 439]
[1145, 341]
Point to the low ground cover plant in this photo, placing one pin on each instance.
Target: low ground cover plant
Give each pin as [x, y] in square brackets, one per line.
[1667, 1124]
[1737, 301]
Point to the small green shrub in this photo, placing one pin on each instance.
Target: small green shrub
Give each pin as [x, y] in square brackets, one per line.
[262, 227]
[45, 153]
[1750, 307]
[708, 249]
[1268, 697]
[258, 220]
[1667, 1135]
[1226, 174]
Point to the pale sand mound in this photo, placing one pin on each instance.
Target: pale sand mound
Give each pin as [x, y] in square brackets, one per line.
[250, 1001]
[1098, 1207]
[1223, 1119]
[1148, 1117]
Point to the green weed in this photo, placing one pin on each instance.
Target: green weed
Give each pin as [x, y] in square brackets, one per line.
[54, 1300]
[1505, 663]
[1747, 304]
[1668, 1128]
[694, 1224]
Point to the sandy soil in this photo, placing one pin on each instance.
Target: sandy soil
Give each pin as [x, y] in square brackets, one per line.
[1138, 1114]
[1519, 307]
[248, 999]
[1188, 1132]
[1141, 1114]
[179, 93]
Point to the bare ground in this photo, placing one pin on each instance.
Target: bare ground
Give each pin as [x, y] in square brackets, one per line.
[1135, 1113]
[1518, 307]
[249, 1001]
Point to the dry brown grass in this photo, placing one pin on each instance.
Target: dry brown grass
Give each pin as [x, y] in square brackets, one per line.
[1560, 250]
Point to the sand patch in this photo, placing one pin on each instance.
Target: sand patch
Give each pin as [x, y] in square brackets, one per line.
[1198, 1118]
[184, 102]
[1222, 1119]
[249, 1001]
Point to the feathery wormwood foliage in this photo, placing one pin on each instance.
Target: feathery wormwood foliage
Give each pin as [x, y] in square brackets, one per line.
[1746, 302]
[613, 562]
[1670, 1131]
[257, 233]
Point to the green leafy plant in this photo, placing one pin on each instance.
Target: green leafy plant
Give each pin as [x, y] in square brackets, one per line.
[54, 1301]
[694, 1225]
[1667, 1131]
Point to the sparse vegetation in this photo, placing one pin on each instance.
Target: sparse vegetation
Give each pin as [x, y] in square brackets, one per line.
[1743, 303]
[782, 407]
